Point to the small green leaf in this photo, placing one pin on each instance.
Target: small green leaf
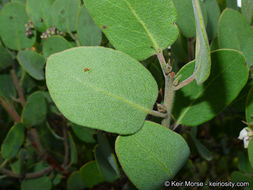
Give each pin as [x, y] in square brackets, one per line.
[75, 181]
[5, 58]
[83, 133]
[196, 104]
[186, 21]
[202, 52]
[87, 83]
[152, 155]
[12, 31]
[147, 27]
[42, 183]
[250, 153]
[13, 141]
[73, 150]
[64, 14]
[38, 13]
[90, 174]
[213, 14]
[247, 9]
[235, 32]
[33, 63]
[55, 44]
[249, 107]
[202, 150]
[88, 32]
[7, 89]
[35, 110]
[106, 160]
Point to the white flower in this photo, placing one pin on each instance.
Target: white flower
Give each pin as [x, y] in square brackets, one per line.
[244, 135]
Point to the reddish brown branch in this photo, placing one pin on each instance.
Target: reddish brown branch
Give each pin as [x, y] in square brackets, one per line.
[28, 175]
[35, 142]
[18, 87]
[10, 110]
[66, 145]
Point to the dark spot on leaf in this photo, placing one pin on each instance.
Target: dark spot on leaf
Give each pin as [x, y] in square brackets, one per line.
[86, 69]
[41, 20]
[104, 26]
[62, 11]
[10, 17]
[50, 49]
[151, 47]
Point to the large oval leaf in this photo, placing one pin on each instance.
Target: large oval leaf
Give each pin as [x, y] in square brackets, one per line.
[90, 174]
[5, 58]
[139, 28]
[38, 13]
[101, 88]
[33, 63]
[7, 89]
[249, 107]
[64, 14]
[13, 141]
[55, 44]
[41, 183]
[35, 110]
[88, 32]
[152, 155]
[12, 31]
[202, 54]
[235, 32]
[197, 104]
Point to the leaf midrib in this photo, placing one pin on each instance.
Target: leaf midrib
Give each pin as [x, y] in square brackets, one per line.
[137, 106]
[153, 156]
[155, 44]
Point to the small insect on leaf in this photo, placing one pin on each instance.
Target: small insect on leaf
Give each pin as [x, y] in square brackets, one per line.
[86, 69]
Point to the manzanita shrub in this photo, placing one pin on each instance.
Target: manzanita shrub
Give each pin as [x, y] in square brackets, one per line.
[125, 94]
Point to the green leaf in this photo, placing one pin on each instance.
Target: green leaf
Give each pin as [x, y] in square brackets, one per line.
[33, 63]
[202, 150]
[250, 153]
[235, 32]
[7, 89]
[42, 183]
[35, 110]
[13, 141]
[12, 31]
[247, 9]
[152, 155]
[106, 160]
[73, 150]
[186, 21]
[5, 58]
[64, 14]
[55, 44]
[101, 88]
[213, 14]
[202, 52]
[75, 181]
[138, 28]
[88, 32]
[83, 133]
[196, 104]
[249, 107]
[90, 174]
[38, 13]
